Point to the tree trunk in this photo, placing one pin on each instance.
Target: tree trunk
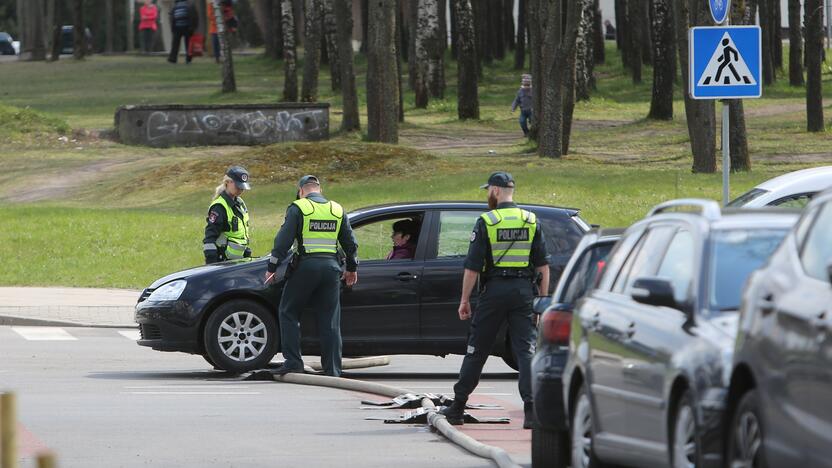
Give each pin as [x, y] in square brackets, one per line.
[442, 11]
[766, 24]
[436, 65]
[486, 42]
[569, 98]
[265, 9]
[413, 61]
[777, 34]
[454, 31]
[598, 41]
[365, 19]
[290, 82]
[646, 34]
[229, 83]
[583, 55]
[495, 25]
[520, 47]
[399, 52]
[57, 25]
[35, 27]
[343, 24]
[701, 118]
[624, 32]
[426, 26]
[661, 104]
[331, 41]
[312, 50]
[534, 9]
[110, 25]
[795, 45]
[79, 41]
[508, 24]
[636, 31]
[740, 159]
[382, 90]
[813, 19]
[468, 105]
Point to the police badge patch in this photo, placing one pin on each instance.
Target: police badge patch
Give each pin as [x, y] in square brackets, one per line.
[212, 217]
[473, 236]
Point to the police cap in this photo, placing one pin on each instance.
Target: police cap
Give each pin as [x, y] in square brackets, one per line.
[308, 179]
[499, 179]
[239, 175]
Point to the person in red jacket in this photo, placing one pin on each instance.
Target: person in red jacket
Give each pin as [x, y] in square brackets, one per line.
[149, 14]
[229, 19]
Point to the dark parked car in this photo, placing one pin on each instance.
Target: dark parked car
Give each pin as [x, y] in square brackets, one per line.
[650, 347]
[68, 39]
[6, 44]
[398, 306]
[780, 402]
[550, 436]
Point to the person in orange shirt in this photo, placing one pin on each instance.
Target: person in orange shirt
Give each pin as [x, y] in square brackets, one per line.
[149, 14]
[228, 18]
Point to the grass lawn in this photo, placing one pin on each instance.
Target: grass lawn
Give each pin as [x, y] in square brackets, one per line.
[93, 212]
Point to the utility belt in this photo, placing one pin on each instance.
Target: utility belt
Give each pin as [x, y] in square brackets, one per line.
[508, 273]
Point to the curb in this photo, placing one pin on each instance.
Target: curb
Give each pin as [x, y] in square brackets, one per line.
[13, 320]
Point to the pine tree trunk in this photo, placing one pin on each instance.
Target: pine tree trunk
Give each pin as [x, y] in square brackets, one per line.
[495, 25]
[266, 11]
[454, 32]
[625, 30]
[312, 50]
[436, 51]
[534, 11]
[777, 35]
[483, 15]
[620, 27]
[813, 19]
[520, 41]
[442, 11]
[646, 33]
[569, 97]
[795, 45]
[468, 105]
[331, 41]
[79, 40]
[636, 31]
[740, 159]
[382, 87]
[598, 35]
[110, 25]
[349, 94]
[425, 32]
[413, 61]
[661, 104]
[701, 118]
[57, 25]
[583, 53]
[766, 24]
[229, 83]
[32, 27]
[400, 49]
[290, 82]
[365, 18]
[508, 24]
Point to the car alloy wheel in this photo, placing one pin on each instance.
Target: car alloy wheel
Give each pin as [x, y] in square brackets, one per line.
[242, 336]
[583, 431]
[685, 452]
[746, 445]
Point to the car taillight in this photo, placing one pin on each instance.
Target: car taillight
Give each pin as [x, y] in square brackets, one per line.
[555, 326]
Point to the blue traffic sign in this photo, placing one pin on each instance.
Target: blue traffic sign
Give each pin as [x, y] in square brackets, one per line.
[725, 62]
[719, 10]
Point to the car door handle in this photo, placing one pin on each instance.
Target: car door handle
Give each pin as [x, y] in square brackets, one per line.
[820, 323]
[631, 330]
[595, 321]
[405, 276]
[767, 304]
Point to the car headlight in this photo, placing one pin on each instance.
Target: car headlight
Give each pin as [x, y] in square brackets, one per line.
[168, 291]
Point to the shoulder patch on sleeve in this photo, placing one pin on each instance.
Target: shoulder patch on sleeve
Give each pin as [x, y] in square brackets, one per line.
[212, 216]
[473, 236]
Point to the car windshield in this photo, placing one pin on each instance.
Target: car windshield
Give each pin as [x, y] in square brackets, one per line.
[734, 255]
[747, 197]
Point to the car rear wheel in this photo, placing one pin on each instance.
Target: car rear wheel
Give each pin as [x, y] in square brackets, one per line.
[240, 336]
[745, 441]
[583, 433]
[685, 451]
[550, 449]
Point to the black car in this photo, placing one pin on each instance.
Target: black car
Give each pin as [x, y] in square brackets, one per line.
[550, 436]
[68, 39]
[6, 46]
[780, 399]
[650, 347]
[397, 307]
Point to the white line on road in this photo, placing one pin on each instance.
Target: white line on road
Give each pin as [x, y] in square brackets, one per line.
[193, 393]
[44, 333]
[130, 334]
[495, 394]
[185, 387]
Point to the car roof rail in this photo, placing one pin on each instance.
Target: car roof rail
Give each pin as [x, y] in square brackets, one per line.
[707, 208]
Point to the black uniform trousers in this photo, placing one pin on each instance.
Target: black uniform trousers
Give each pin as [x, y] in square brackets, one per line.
[315, 284]
[502, 300]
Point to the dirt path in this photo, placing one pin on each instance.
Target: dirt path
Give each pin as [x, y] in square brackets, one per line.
[61, 183]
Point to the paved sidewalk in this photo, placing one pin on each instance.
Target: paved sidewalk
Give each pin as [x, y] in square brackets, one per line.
[87, 307]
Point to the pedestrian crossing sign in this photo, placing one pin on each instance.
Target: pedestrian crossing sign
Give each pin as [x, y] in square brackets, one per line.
[725, 62]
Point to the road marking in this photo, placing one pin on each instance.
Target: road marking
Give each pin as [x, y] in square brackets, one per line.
[44, 333]
[495, 394]
[446, 387]
[193, 393]
[184, 387]
[130, 334]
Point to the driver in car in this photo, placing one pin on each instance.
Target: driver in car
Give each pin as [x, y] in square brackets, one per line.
[404, 244]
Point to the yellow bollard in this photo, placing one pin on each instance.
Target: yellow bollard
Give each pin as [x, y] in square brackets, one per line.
[8, 431]
[46, 460]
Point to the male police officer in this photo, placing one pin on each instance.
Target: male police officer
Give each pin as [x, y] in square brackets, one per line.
[507, 249]
[227, 226]
[318, 225]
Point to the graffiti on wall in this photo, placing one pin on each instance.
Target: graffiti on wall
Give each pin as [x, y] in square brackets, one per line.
[271, 125]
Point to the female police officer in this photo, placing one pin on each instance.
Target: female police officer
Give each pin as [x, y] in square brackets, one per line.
[227, 230]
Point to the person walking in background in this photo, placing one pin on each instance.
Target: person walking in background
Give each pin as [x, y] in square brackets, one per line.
[228, 18]
[524, 101]
[184, 19]
[149, 14]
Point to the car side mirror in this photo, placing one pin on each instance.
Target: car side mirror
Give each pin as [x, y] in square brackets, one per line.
[541, 303]
[654, 291]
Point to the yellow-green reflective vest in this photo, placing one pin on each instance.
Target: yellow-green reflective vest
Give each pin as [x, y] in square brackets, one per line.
[510, 234]
[236, 240]
[321, 225]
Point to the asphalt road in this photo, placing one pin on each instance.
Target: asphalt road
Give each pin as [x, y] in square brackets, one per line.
[98, 400]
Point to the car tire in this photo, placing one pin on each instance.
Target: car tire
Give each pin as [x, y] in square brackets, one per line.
[685, 446]
[583, 432]
[550, 449]
[240, 336]
[210, 361]
[747, 433]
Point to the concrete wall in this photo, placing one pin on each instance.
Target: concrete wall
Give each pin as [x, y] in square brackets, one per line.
[186, 125]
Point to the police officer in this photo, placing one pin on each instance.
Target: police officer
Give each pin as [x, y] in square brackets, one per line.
[227, 234]
[317, 225]
[507, 251]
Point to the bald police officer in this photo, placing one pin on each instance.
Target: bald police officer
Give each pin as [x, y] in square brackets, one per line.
[227, 226]
[317, 225]
[507, 249]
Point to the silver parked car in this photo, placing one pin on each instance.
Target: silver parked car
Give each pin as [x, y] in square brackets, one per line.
[792, 190]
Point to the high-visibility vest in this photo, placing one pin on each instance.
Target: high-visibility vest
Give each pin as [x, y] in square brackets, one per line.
[510, 234]
[234, 241]
[321, 225]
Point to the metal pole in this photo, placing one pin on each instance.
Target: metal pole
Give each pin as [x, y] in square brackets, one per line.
[131, 12]
[8, 434]
[726, 152]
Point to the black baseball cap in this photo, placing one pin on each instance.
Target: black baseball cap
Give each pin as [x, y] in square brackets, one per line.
[499, 179]
[307, 179]
[239, 175]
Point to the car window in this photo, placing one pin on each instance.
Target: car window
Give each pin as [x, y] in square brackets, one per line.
[644, 258]
[374, 237]
[747, 197]
[585, 274]
[734, 255]
[794, 201]
[618, 255]
[817, 250]
[562, 235]
[455, 232]
[678, 264]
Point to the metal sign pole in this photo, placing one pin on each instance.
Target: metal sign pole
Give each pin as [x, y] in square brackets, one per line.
[726, 139]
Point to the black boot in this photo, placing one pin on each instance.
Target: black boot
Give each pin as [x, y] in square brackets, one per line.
[455, 414]
[529, 420]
